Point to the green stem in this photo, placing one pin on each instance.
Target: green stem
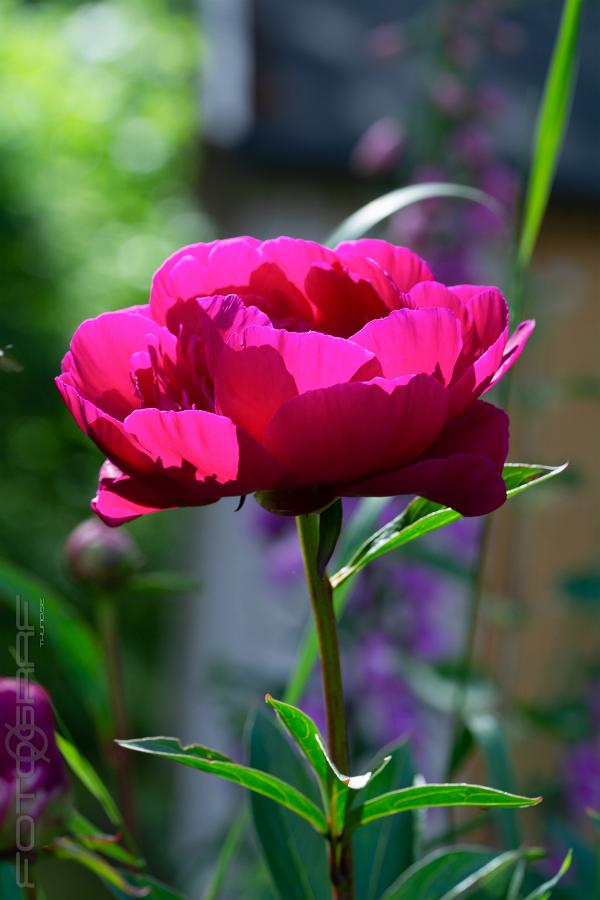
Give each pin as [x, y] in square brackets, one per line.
[121, 759]
[321, 598]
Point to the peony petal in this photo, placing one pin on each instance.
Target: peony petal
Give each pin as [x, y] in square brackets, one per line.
[265, 367]
[513, 349]
[203, 450]
[99, 362]
[410, 341]
[405, 267]
[107, 433]
[186, 274]
[120, 498]
[341, 304]
[463, 469]
[349, 431]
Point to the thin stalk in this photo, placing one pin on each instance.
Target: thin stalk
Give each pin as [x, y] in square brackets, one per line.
[121, 759]
[321, 598]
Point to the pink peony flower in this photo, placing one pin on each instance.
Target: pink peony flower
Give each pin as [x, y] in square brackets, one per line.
[295, 371]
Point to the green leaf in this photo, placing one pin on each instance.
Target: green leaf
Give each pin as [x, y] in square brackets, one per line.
[64, 848]
[367, 217]
[423, 516]
[90, 779]
[71, 642]
[452, 872]
[430, 795]
[544, 890]
[295, 856]
[89, 836]
[551, 126]
[330, 526]
[9, 889]
[198, 757]
[306, 735]
[158, 890]
[384, 848]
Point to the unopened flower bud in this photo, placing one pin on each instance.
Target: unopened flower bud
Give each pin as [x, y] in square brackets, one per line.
[34, 790]
[97, 554]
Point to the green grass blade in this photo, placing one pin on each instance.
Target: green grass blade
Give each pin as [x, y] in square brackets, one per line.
[551, 126]
[367, 217]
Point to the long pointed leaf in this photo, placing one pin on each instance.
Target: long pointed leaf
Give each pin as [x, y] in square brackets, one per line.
[198, 757]
[551, 126]
[432, 795]
[544, 890]
[423, 516]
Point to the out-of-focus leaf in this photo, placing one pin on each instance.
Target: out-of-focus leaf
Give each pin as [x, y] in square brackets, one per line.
[582, 589]
[294, 853]
[423, 516]
[545, 890]
[64, 848]
[73, 644]
[488, 735]
[9, 889]
[214, 763]
[90, 779]
[89, 836]
[330, 526]
[158, 890]
[551, 126]
[432, 795]
[234, 834]
[370, 215]
[452, 872]
[384, 848]
[163, 582]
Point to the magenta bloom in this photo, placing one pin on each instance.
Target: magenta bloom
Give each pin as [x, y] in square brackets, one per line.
[287, 368]
[34, 790]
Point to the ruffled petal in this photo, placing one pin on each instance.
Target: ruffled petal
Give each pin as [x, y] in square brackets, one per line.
[99, 361]
[348, 431]
[463, 469]
[263, 368]
[405, 267]
[186, 274]
[410, 341]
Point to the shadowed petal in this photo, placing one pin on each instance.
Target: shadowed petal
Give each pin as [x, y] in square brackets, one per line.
[205, 450]
[463, 469]
[347, 431]
[265, 367]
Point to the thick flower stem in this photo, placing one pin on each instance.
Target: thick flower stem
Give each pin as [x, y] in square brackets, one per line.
[321, 598]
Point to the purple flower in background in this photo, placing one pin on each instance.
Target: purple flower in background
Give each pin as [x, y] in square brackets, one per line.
[380, 148]
[386, 41]
[34, 791]
[449, 95]
[582, 778]
[388, 709]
